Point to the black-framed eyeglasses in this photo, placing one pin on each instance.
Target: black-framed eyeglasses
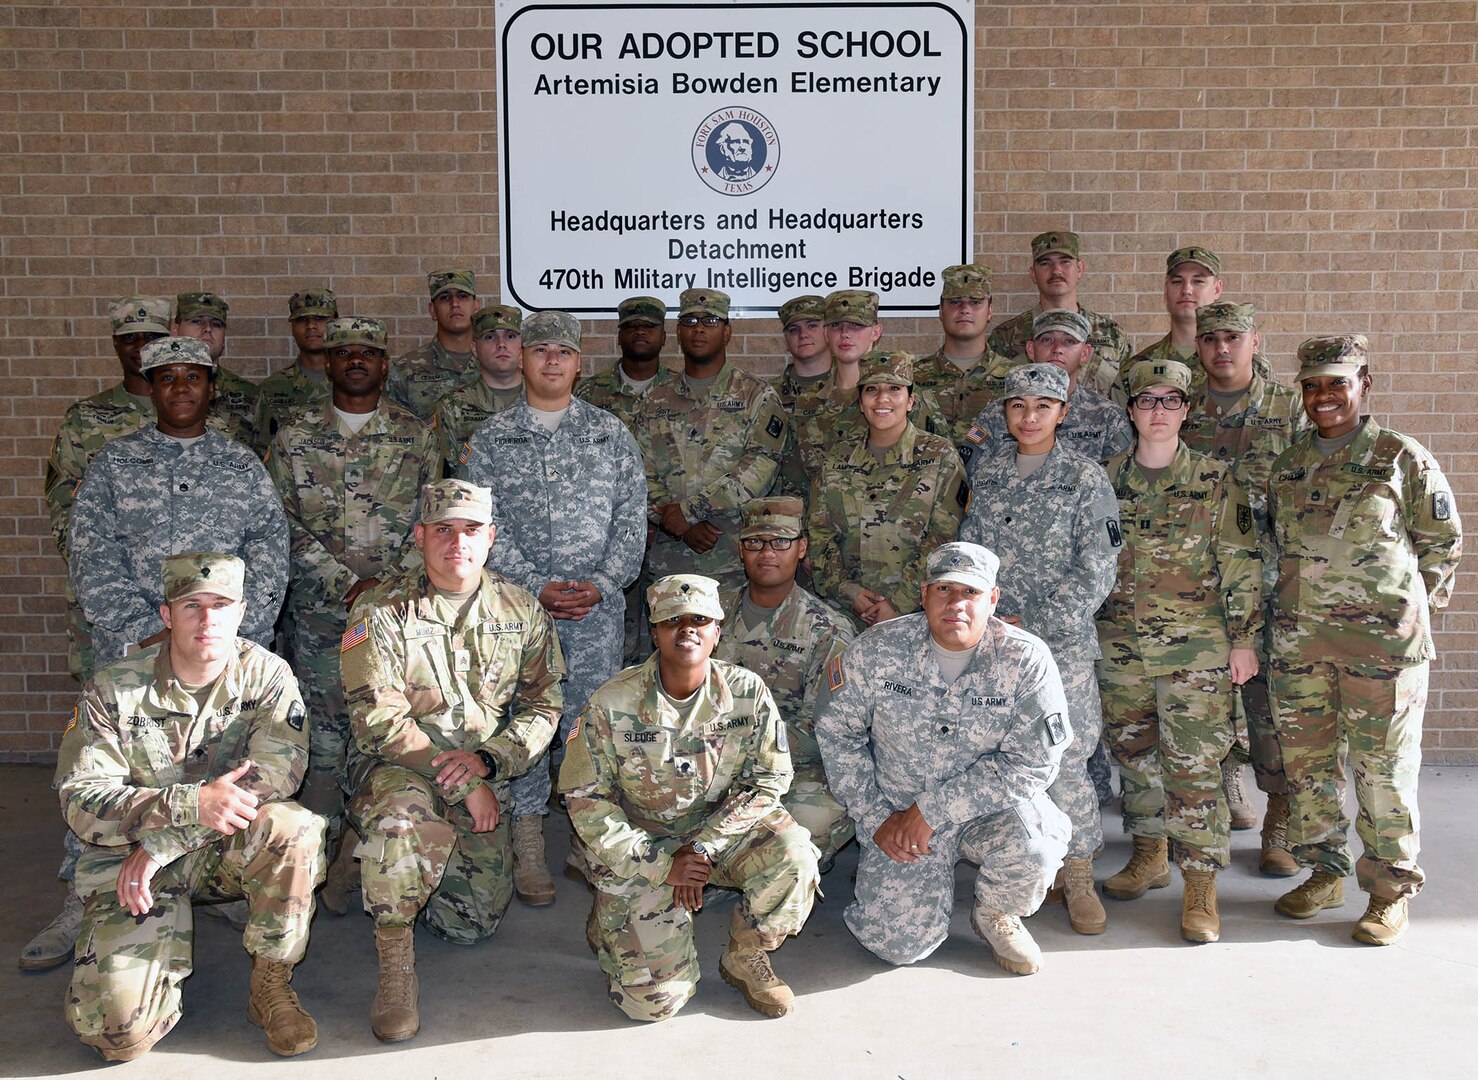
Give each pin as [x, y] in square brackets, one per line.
[706, 320]
[1169, 402]
[759, 543]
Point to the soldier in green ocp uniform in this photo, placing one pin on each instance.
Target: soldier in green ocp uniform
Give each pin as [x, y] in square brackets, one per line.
[305, 380]
[202, 315]
[497, 342]
[426, 374]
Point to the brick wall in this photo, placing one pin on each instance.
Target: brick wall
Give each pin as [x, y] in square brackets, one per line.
[1326, 150]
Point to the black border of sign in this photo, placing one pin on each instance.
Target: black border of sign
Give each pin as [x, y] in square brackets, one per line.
[504, 194]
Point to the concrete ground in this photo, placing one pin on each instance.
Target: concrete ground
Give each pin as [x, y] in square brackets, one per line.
[1273, 998]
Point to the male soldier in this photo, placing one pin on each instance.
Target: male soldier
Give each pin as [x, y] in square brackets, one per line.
[452, 676]
[423, 376]
[640, 336]
[674, 777]
[203, 315]
[496, 342]
[349, 472]
[805, 384]
[177, 771]
[569, 503]
[941, 732]
[1095, 426]
[711, 441]
[850, 324]
[787, 636]
[305, 381]
[1056, 270]
[1245, 420]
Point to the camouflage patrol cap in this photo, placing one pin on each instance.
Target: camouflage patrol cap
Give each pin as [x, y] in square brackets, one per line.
[798, 308]
[856, 306]
[1148, 373]
[552, 328]
[175, 350]
[1035, 380]
[968, 281]
[320, 302]
[881, 366]
[1223, 315]
[448, 278]
[1072, 323]
[1201, 256]
[356, 331]
[775, 515]
[641, 309]
[966, 564]
[496, 317]
[447, 499]
[1060, 242]
[684, 594]
[189, 304]
[703, 302]
[192, 572]
[1338, 354]
[139, 315]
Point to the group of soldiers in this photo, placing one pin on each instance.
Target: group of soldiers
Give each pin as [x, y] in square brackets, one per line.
[906, 600]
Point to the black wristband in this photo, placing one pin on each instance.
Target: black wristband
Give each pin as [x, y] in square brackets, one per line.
[491, 763]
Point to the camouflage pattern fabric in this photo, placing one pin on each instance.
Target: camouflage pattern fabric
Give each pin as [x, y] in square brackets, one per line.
[607, 390]
[803, 400]
[960, 396]
[281, 396]
[235, 403]
[460, 413]
[1095, 427]
[426, 374]
[1111, 348]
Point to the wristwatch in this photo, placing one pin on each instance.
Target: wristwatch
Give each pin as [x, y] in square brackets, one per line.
[490, 761]
[700, 848]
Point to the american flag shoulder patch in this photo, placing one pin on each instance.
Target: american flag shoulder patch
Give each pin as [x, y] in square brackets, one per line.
[355, 635]
[465, 454]
[977, 434]
[74, 721]
[834, 677]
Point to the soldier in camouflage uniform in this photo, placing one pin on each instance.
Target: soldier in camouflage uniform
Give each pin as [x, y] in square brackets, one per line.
[851, 327]
[640, 335]
[1178, 632]
[711, 440]
[1056, 270]
[452, 676]
[1051, 518]
[941, 732]
[883, 500]
[570, 506]
[805, 386]
[674, 777]
[426, 374]
[1369, 543]
[305, 381]
[177, 771]
[497, 343]
[203, 315]
[787, 636]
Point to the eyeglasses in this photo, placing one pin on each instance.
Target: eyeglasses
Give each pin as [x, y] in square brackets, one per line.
[706, 320]
[759, 543]
[1170, 402]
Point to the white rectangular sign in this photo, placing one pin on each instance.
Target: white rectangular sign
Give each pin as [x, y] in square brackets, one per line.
[764, 149]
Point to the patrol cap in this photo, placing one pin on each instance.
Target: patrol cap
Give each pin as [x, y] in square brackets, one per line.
[1224, 315]
[1148, 373]
[189, 304]
[448, 278]
[798, 308]
[1201, 256]
[684, 594]
[192, 572]
[774, 515]
[175, 350]
[1338, 354]
[1072, 323]
[552, 328]
[881, 366]
[496, 317]
[856, 306]
[704, 302]
[356, 331]
[966, 564]
[640, 309]
[447, 499]
[321, 302]
[139, 315]
[1035, 380]
[1060, 242]
[968, 281]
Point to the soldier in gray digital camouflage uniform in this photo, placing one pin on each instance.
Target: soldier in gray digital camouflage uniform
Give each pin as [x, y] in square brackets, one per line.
[305, 380]
[497, 343]
[426, 374]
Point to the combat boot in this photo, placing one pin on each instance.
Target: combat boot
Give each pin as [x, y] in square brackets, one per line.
[342, 880]
[1383, 923]
[1148, 868]
[1200, 919]
[1008, 939]
[274, 1007]
[1242, 814]
[1277, 858]
[393, 1016]
[1322, 890]
[531, 880]
[54, 942]
[1084, 910]
[745, 966]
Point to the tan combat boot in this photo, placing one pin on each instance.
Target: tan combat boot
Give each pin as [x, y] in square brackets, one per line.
[1200, 919]
[531, 880]
[274, 1007]
[54, 942]
[1277, 858]
[1084, 910]
[1008, 939]
[1242, 814]
[1383, 923]
[1322, 890]
[342, 880]
[393, 1016]
[745, 966]
[1148, 868]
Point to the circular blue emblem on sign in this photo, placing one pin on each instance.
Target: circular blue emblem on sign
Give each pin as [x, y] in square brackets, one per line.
[735, 150]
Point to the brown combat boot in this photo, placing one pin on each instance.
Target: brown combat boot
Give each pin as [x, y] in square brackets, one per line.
[342, 879]
[55, 942]
[393, 1016]
[745, 966]
[1277, 858]
[1200, 919]
[1148, 868]
[1242, 815]
[1384, 922]
[274, 1007]
[1322, 890]
[1084, 910]
[531, 881]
